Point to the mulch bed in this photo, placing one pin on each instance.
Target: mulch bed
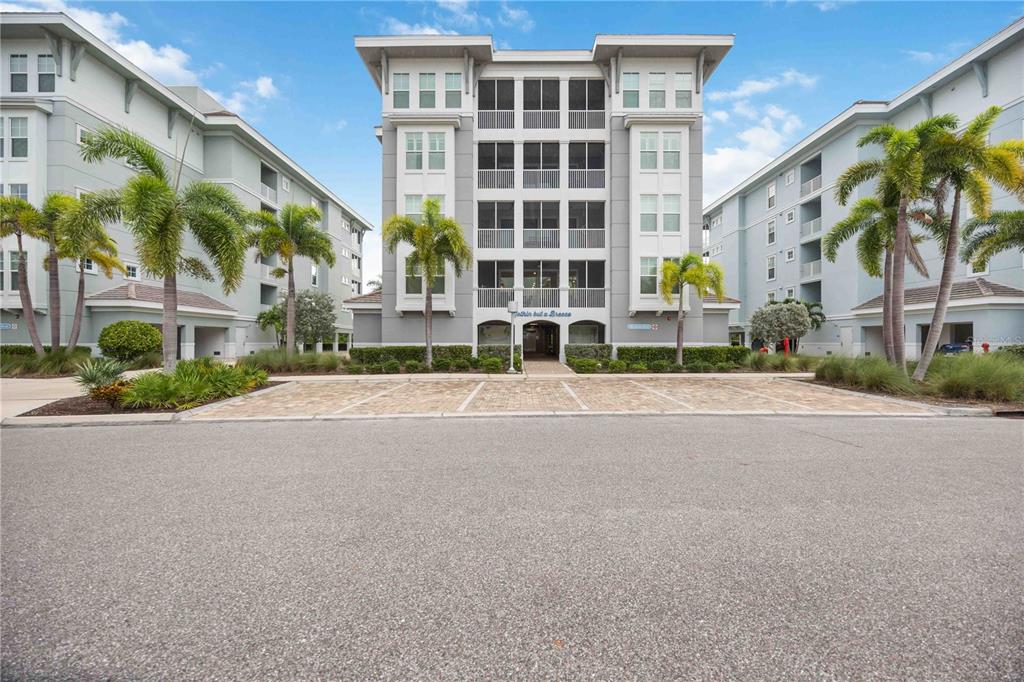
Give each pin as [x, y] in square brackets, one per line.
[1010, 409]
[84, 405]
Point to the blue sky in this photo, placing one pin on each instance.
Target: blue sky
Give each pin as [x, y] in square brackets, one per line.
[291, 70]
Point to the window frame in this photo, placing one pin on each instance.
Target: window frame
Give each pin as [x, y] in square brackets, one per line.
[791, 216]
[434, 154]
[51, 73]
[790, 255]
[771, 269]
[652, 90]
[667, 153]
[427, 91]
[23, 74]
[791, 292]
[314, 275]
[11, 192]
[415, 152]
[771, 200]
[646, 212]
[647, 154]
[790, 177]
[653, 278]
[396, 90]
[666, 213]
[449, 101]
[631, 95]
[771, 231]
[678, 79]
[10, 125]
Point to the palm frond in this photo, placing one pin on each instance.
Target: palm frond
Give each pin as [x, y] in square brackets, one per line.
[117, 143]
[195, 267]
[855, 175]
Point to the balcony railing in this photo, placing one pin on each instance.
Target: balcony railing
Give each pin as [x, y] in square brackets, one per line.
[494, 298]
[540, 179]
[540, 239]
[812, 185]
[503, 118]
[586, 178]
[586, 298]
[268, 192]
[586, 119]
[586, 239]
[495, 239]
[504, 178]
[810, 227]
[540, 298]
[540, 119]
[811, 269]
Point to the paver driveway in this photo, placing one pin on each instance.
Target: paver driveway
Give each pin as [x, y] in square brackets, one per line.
[464, 397]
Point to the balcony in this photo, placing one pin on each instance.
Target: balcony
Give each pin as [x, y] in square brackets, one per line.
[540, 119]
[586, 178]
[810, 227]
[501, 119]
[503, 178]
[812, 185]
[540, 239]
[495, 239]
[268, 193]
[586, 120]
[586, 298]
[540, 179]
[811, 269]
[540, 298]
[266, 272]
[586, 239]
[494, 298]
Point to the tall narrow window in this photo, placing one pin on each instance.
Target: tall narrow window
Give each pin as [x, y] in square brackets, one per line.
[413, 277]
[19, 73]
[414, 206]
[414, 151]
[47, 73]
[15, 263]
[453, 90]
[19, 137]
[648, 275]
[19, 189]
[648, 151]
[435, 160]
[428, 91]
[771, 268]
[400, 90]
[648, 212]
[670, 212]
[3, 135]
[496, 95]
[656, 90]
[771, 195]
[438, 283]
[631, 90]
[314, 274]
[684, 90]
[670, 155]
[771, 231]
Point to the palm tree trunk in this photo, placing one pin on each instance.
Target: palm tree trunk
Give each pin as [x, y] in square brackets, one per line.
[945, 287]
[899, 265]
[76, 323]
[289, 325]
[170, 322]
[428, 319]
[679, 328]
[54, 277]
[890, 353]
[27, 311]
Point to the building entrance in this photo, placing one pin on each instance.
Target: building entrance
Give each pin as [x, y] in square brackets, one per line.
[540, 339]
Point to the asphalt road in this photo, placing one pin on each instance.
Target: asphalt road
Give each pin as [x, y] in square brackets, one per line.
[603, 547]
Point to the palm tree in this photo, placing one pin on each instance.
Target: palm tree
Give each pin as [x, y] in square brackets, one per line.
[295, 232]
[375, 284]
[985, 237]
[967, 163]
[900, 170]
[159, 214]
[690, 269]
[21, 219]
[54, 207]
[436, 241]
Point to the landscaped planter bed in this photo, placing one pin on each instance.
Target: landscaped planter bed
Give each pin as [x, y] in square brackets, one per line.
[84, 405]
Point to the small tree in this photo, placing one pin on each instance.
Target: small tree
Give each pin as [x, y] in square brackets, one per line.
[690, 269]
[314, 316]
[775, 322]
[21, 219]
[274, 316]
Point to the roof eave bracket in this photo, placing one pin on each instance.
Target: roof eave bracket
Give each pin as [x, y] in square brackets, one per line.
[926, 103]
[699, 84]
[981, 73]
[56, 49]
[385, 77]
[130, 86]
[77, 52]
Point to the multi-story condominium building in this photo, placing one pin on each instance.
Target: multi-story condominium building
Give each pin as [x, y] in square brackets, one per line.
[573, 173]
[767, 231]
[59, 83]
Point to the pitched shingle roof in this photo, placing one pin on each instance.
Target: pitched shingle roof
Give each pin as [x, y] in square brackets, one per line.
[372, 297]
[152, 294]
[976, 287]
[725, 299]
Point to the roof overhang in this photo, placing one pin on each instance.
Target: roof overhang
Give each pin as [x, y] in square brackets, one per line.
[425, 118]
[974, 302]
[135, 304]
[374, 49]
[632, 119]
[714, 47]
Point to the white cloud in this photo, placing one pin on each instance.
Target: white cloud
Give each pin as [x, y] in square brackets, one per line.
[398, 27]
[745, 109]
[922, 56]
[516, 17]
[946, 54]
[720, 116]
[827, 6]
[335, 126]
[462, 13]
[248, 94]
[759, 86]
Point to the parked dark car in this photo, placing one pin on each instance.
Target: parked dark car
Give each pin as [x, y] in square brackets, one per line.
[954, 348]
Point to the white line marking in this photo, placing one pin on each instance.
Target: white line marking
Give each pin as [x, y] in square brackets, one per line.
[766, 397]
[469, 398]
[368, 399]
[663, 395]
[583, 405]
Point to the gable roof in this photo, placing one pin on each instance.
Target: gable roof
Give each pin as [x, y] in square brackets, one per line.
[373, 298]
[976, 287]
[151, 294]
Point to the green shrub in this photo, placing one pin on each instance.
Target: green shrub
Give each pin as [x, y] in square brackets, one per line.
[128, 339]
[52, 364]
[617, 366]
[380, 355]
[192, 383]
[659, 366]
[677, 368]
[460, 365]
[994, 377]
[101, 379]
[375, 368]
[806, 363]
[442, 364]
[699, 366]
[394, 366]
[13, 349]
[637, 367]
[414, 367]
[724, 367]
[147, 361]
[585, 365]
[756, 361]
[491, 365]
[833, 369]
[1014, 349]
[153, 390]
[871, 373]
[354, 368]
[594, 351]
[710, 354]
[496, 350]
[780, 362]
[278, 361]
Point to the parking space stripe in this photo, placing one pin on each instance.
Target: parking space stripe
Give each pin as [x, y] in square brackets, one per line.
[368, 399]
[583, 405]
[469, 398]
[663, 395]
[764, 397]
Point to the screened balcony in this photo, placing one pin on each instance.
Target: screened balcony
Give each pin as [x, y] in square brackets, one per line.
[540, 225]
[540, 284]
[586, 104]
[586, 225]
[586, 165]
[495, 165]
[495, 225]
[541, 165]
[586, 284]
[496, 104]
[541, 103]
[495, 283]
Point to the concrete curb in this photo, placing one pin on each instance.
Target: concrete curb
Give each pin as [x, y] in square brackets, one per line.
[356, 378]
[948, 411]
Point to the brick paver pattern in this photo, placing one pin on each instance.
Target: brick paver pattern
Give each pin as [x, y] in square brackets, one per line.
[473, 396]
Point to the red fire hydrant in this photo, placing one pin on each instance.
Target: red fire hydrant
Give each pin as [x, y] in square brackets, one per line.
[984, 347]
[785, 346]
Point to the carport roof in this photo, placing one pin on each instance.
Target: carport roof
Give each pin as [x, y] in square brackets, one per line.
[151, 294]
[977, 287]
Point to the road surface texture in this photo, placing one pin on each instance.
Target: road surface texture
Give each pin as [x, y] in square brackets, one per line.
[602, 547]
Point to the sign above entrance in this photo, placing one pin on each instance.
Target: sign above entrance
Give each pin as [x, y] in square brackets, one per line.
[544, 313]
[642, 326]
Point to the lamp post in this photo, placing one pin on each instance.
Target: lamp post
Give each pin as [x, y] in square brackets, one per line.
[513, 308]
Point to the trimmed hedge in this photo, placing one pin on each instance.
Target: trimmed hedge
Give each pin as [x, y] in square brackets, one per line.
[593, 351]
[128, 339]
[1016, 349]
[13, 349]
[709, 354]
[367, 355]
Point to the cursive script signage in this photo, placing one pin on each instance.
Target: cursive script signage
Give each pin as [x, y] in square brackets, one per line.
[544, 313]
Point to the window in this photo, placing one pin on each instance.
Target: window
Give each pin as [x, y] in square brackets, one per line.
[586, 95]
[453, 90]
[790, 216]
[631, 90]
[670, 153]
[648, 151]
[439, 198]
[19, 190]
[496, 274]
[540, 274]
[314, 274]
[414, 206]
[540, 95]
[771, 268]
[586, 215]
[496, 155]
[286, 184]
[131, 272]
[684, 90]
[19, 73]
[400, 90]
[770, 297]
[716, 221]
[19, 137]
[584, 155]
[771, 195]
[586, 274]
[495, 215]
[790, 177]
[47, 73]
[428, 96]
[413, 278]
[3, 135]
[656, 90]
[790, 255]
[771, 232]
[540, 215]
[414, 151]
[88, 266]
[15, 262]
[670, 212]
[435, 159]
[648, 212]
[791, 292]
[496, 95]
[648, 275]
[540, 155]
